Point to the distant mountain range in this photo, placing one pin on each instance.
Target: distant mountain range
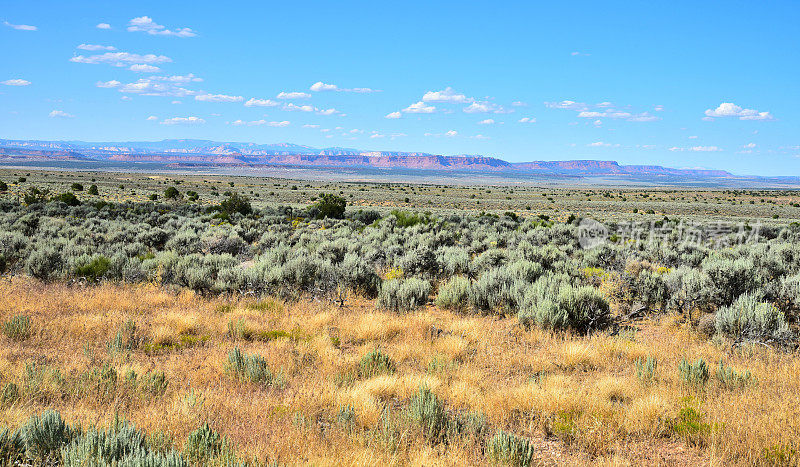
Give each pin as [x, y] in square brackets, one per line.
[192, 151]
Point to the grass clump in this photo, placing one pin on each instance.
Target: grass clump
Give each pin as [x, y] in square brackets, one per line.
[252, 368]
[18, 328]
[729, 378]
[126, 338]
[646, 369]
[694, 375]
[510, 449]
[375, 363]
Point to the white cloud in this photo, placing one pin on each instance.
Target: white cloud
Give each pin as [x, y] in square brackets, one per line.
[393, 115]
[293, 95]
[327, 111]
[152, 118]
[693, 137]
[282, 124]
[253, 102]
[601, 110]
[602, 144]
[143, 68]
[479, 136]
[60, 114]
[108, 84]
[310, 125]
[95, 47]
[21, 27]
[659, 108]
[579, 54]
[290, 107]
[16, 82]
[488, 121]
[729, 109]
[519, 104]
[749, 146]
[103, 26]
[419, 108]
[527, 120]
[183, 121]
[160, 86]
[451, 133]
[697, 149]
[446, 95]
[569, 105]
[121, 59]
[147, 25]
[218, 98]
[320, 86]
[483, 107]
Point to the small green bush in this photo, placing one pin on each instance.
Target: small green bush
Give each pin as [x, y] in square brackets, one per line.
[554, 304]
[330, 205]
[426, 411]
[747, 319]
[203, 444]
[405, 295]
[94, 268]
[454, 294]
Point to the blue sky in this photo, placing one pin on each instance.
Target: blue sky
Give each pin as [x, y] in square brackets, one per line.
[684, 84]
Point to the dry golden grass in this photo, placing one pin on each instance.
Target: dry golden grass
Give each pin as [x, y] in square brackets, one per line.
[577, 398]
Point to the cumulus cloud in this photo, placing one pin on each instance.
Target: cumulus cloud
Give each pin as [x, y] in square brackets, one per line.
[451, 133]
[393, 115]
[293, 95]
[60, 114]
[488, 121]
[749, 146]
[147, 25]
[419, 108]
[729, 109]
[103, 26]
[16, 82]
[183, 121]
[602, 144]
[217, 98]
[121, 59]
[144, 68]
[253, 102]
[446, 95]
[152, 118]
[527, 120]
[21, 27]
[281, 124]
[95, 47]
